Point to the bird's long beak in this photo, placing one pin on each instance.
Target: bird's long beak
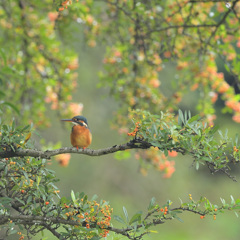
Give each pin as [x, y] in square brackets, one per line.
[67, 120]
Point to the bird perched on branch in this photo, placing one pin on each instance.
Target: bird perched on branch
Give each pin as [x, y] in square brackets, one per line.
[81, 136]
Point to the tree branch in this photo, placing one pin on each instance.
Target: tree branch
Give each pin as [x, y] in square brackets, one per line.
[19, 152]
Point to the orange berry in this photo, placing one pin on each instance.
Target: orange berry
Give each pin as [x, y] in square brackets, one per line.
[46, 203]
[22, 191]
[202, 217]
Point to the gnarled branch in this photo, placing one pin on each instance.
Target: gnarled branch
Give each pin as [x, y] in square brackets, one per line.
[20, 152]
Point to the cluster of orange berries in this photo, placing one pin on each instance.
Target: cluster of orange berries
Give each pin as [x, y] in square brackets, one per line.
[63, 159]
[134, 132]
[22, 237]
[214, 215]
[159, 161]
[103, 222]
[105, 233]
[65, 3]
[164, 210]
[167, 167]
[235, 149]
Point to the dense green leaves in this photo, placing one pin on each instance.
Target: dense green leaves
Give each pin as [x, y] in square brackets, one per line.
[188, 136]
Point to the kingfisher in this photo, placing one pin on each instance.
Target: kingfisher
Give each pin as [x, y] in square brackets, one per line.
[81, 136]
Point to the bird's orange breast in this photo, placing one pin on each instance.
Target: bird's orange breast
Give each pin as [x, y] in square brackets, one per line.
[81, 136]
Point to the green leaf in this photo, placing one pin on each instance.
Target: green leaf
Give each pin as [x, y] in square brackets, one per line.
[156, 144]
[12, 231]
[25, 128]
[21, 201]
[185, 116]
[136, 217]
[152, 204]
[214, 129]
[5, 200]
[13, 125]
[197, 165]
[26, 176]
[236, 140]
[125, 213]
[179, 219]
[180, 117]
[193, 119]
[3, 56]
[38, 178]
[94, 197]
[165, 152]
[82, 194]
[119, 219]
[73, 196]
[12, 106]
[29, 200]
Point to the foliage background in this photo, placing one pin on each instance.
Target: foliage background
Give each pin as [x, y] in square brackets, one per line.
[120, 181]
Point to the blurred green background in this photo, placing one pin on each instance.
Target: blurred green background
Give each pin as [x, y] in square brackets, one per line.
[121, 183]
